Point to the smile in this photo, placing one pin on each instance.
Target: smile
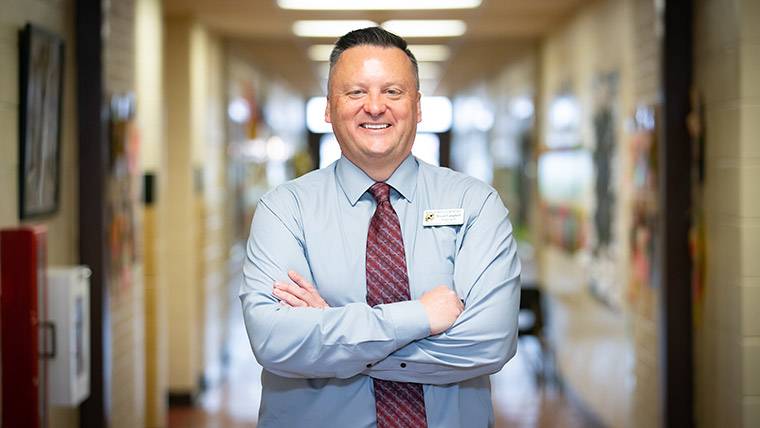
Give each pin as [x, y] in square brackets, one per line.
[375, 125]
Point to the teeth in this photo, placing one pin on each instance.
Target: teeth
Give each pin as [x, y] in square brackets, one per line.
[375, 126]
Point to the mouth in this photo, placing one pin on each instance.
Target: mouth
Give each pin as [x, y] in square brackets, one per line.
[375, 126]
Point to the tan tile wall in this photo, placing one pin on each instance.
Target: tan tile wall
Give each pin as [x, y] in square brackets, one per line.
[644, 314]
[614, 368]
[213, 245]
[182, 231]
[150, 122]
[63, 227]
[127, 303]
[727, 333]
[197, 263]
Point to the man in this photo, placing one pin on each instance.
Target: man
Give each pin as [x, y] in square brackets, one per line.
[379, 291]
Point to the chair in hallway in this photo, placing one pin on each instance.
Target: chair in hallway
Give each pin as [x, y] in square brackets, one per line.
[531, 323]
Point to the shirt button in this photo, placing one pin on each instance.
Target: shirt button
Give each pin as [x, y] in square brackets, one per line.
[403, 365]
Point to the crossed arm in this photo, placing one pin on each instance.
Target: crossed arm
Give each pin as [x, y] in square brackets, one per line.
[304, 337]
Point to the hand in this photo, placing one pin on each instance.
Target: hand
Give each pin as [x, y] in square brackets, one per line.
[442, 306]
[301, 295]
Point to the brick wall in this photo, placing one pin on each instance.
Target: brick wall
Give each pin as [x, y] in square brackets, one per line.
[150, 124]
[727, 331]
[608, 357]
[645, 311]
[127, 300]
[596, 353]
[196, 191]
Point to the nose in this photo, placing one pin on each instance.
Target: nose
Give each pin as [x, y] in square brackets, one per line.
[374, 104]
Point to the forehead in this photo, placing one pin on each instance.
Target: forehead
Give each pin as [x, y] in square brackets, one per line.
[367, 60]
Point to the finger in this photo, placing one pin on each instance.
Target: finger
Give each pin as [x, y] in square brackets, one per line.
[289, 298]
[294, 290]
[301, 281]
[311, 296]
[312, 299]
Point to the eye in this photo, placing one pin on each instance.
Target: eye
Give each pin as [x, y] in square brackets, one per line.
[355, 93]
[394, 92]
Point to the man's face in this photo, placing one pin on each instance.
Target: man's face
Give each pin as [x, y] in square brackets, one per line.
[374, 105]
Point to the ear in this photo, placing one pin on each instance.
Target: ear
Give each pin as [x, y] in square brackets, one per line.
[327, 111]
[419, 108]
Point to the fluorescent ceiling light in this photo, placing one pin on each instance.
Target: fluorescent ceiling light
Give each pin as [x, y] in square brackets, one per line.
[377, 5]
[430, 52]
[421, 52]
[333, 28]
[320, 53]
[426, 27]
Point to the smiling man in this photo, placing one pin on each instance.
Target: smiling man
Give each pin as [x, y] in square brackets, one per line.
[380, 290]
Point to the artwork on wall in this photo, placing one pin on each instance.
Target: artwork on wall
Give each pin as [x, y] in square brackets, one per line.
[642, 144]
[41, 56]
[697, 232]
[123, 196]
[565, 175]
[604, 282]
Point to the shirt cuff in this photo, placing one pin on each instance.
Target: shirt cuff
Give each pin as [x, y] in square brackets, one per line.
[409, 320]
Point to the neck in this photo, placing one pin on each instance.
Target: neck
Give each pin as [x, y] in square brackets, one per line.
[379, 171]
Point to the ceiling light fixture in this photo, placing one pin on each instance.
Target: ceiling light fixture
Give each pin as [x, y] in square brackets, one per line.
[430, 52]
[377, 5]
[421, 52]
[426, 27]
[331, 28]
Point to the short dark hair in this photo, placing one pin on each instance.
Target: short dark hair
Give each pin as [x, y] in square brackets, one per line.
[373, 36]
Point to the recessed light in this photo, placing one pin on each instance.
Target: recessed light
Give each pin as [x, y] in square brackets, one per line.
[377, 5]
[330, 28]
[426, 27]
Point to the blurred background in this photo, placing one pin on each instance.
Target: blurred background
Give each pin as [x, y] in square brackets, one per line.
[138, 136]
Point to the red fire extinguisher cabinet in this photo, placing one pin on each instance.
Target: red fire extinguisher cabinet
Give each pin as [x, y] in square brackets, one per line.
[23, 263]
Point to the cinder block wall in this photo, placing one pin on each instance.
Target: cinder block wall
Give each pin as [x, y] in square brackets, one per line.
[609, 358]
[727, 330]
[127, 299]
[196, 263]
[150, 124]
[644, 314]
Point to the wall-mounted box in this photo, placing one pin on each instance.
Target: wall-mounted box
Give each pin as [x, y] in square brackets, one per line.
[24, 332]
[69, 311]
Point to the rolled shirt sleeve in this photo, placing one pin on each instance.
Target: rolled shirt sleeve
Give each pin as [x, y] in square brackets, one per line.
[484, 337]
[306, 342]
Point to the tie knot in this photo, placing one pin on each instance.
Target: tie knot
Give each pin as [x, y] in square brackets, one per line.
[381, 192]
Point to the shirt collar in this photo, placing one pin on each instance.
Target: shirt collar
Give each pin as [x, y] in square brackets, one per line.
[355, 182]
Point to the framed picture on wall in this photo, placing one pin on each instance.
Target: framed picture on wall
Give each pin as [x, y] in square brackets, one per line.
[40, 99]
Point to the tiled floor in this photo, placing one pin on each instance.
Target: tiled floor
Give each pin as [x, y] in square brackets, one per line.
[518, 400]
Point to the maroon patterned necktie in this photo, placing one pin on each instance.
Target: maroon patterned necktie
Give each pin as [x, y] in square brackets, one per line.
[398, 404]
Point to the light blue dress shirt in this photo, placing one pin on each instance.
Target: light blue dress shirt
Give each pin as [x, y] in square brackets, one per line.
[319, 363]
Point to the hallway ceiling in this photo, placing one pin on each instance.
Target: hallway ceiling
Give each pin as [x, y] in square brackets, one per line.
[499, 31]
